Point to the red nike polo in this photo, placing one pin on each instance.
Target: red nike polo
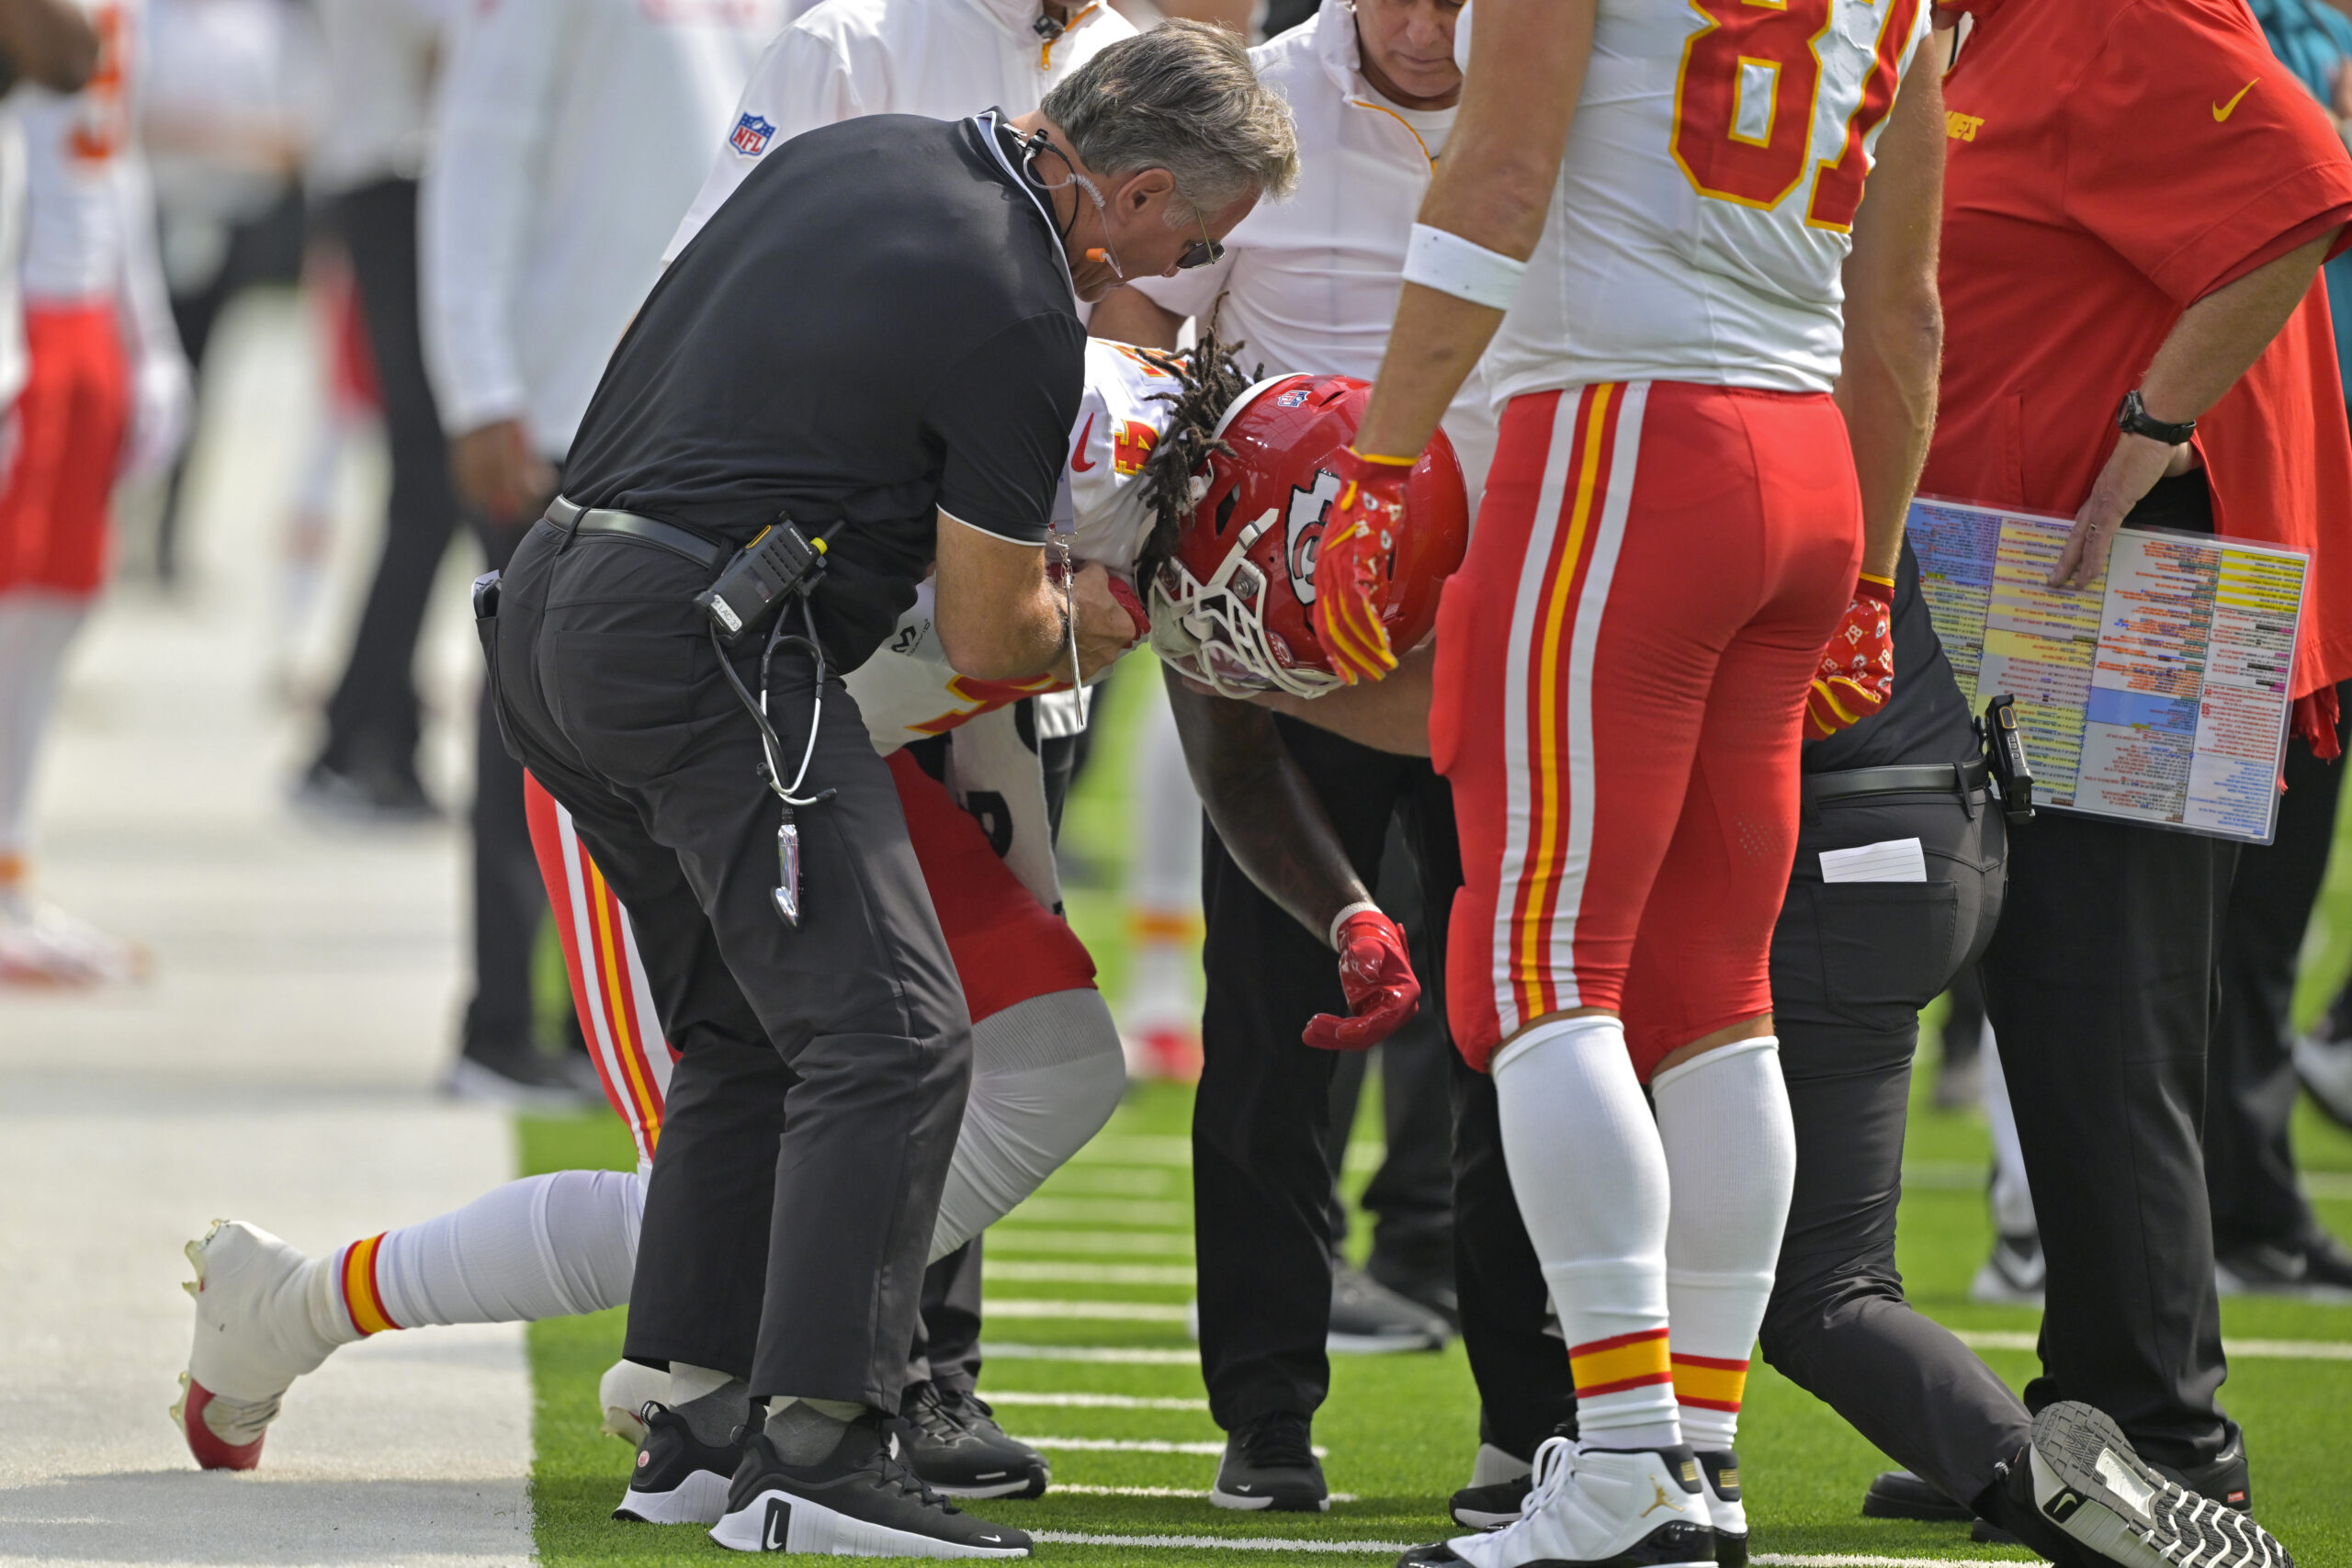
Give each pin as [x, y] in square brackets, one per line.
[2112, 161]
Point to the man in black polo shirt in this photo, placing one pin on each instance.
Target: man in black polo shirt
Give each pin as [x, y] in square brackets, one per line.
[876, 337]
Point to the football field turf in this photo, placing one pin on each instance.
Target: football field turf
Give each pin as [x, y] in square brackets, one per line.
[1089, 1359]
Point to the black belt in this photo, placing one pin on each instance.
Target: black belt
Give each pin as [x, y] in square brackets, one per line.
[574, 518]
[1941, 778]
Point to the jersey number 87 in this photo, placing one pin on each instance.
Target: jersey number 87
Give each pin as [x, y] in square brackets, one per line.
[1744, 101]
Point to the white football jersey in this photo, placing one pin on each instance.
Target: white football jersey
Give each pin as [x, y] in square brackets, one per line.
[1706, 203]
[906, 691]
[80, 147]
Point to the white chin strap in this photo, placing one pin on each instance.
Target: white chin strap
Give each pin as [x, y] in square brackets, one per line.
[1216, 631]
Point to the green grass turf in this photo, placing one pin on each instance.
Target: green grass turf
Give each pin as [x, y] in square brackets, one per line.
[1401, 1429]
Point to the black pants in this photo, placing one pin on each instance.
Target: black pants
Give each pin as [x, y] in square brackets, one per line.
[510, 897]
[791, 1207]
[1852, 963]
[2250, 1081]
[372, 719]
[2101, 988]
[1261, 1179]
[1411, 1196]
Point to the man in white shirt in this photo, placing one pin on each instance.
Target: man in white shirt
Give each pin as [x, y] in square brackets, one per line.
[1310, 284]
[569, 136]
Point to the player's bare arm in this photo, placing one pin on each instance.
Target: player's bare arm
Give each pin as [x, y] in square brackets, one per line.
[1493, 187]
[2202, 357]
[1389, 716]
[1129, 315]
[1001, 617]
[48, 41]
[1886, 387]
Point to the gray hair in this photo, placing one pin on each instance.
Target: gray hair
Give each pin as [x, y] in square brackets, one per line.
[1181, 98]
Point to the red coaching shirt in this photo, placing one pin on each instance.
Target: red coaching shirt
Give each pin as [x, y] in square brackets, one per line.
[2112, 161]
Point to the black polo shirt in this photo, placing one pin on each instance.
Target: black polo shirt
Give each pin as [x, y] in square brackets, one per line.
[1926, 718]
[877, 326]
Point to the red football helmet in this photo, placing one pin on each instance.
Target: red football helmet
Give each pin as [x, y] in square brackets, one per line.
[1232, 607]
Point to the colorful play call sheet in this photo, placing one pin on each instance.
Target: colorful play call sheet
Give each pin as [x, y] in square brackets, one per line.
[2159, 694]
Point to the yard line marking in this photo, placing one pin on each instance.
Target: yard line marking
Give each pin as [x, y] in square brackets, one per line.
[1091, 1273]
[1119, 1355]
[1110, 1311]
[1221, 1543]
[2327, 1184]
[1011, 1236]
[1834, 1560]
[1139, 1213]
[1062, 1487]
[1963, 1176]
[2250, 1350]
[1136, 1148]
[1138, 1446]
[1116, 1181]
[1097, 1402]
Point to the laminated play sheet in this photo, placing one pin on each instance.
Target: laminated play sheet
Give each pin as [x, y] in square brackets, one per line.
[2159, 694]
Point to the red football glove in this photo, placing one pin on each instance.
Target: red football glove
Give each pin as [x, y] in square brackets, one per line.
[1377, 976]
[1351, 568]
[1857, 673]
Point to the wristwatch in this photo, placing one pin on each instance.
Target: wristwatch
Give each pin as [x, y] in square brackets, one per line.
[2133, 419]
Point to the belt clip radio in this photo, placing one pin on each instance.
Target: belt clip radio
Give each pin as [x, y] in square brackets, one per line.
[2005, 750]
[780, 563]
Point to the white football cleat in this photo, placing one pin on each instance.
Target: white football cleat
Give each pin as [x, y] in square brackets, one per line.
[42, 946]
[2089, 1483]
[1609, 1507]
[624, 1392]
[265, 1314]
[1719, 1474]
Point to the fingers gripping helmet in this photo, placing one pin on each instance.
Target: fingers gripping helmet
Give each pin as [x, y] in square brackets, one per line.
[1233, 605]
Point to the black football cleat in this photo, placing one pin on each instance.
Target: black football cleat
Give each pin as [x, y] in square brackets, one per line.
[952, 1440]
[861, 1500]
[1270, 1463]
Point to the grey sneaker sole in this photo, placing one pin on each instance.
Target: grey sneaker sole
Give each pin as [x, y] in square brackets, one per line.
[775, 1521]
[1286, 1503]
[2088, 1483]
[1380, 1344]
[1023, 1485]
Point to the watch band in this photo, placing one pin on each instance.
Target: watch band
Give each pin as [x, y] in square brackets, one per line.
[2133, 419]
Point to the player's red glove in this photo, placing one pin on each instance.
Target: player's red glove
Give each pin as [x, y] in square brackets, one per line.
[1377, 976]
[1351, 569]
[1857, 673]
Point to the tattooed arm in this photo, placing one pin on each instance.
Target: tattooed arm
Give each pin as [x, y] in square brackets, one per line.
[1262, 805]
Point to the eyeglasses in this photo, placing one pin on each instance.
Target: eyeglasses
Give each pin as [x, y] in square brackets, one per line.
[1200, 252]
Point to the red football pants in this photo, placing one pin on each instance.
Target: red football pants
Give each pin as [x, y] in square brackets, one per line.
[1622, 665]
[1007, 948]
[72, 418]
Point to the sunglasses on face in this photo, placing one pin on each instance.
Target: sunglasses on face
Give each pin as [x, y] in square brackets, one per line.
[1200, 252]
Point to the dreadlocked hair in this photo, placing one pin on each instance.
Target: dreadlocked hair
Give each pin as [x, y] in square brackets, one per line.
[1208, 379]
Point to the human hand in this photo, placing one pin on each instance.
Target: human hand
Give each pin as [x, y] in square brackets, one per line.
[1110, 618]
[1857, 672]
[1376, 973]
[2133, 469]
[1351, 564]
[497, 473]
[162, 410]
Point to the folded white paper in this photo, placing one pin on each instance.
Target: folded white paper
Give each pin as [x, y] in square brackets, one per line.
[1890, 860]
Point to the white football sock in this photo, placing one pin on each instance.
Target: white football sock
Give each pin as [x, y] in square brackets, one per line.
[1590, 1175]
[1163, 892]
[1731, 1160]
[36, 628]
[551, 1246]
[1046, 1074]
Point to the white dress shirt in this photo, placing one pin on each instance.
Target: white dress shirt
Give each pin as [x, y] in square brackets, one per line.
[1313, 278]
[571, 135]
[942, 58]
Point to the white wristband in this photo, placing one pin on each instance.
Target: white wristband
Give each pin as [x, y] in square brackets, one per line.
[1436, 258]
[1331, 939]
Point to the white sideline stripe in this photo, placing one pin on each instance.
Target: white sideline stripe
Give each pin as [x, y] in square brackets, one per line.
[2327, 1184]
[1137, 1446]
[1097, 1402]
[1091, 1273]
[1117, 1355]
[1143, 1149]
[2250, 1350]
[1011, 1236]
[1061, 1488]
[1133, 1213]
[1219, 1542]
[1111, 1311]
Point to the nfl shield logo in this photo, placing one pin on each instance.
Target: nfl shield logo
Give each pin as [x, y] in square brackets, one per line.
[751, 138]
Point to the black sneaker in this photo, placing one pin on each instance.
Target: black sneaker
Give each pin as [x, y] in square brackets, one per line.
[2014, 1276]
[1270, 1463]
[1899, 1495]
[861, 1500]
[953, 1443]
[2089, 1483]
[1493, 1507]
[2223, 1477]
[1370, 1319]
[2315, 1268]
[679, 1479]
